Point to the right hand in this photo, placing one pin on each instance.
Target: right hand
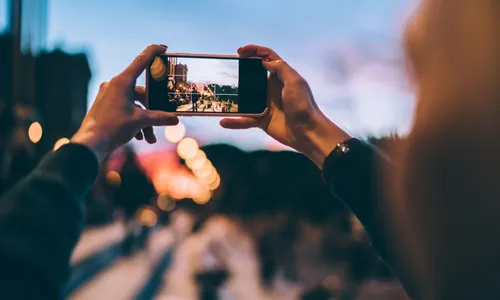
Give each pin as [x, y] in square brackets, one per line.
[294, 118]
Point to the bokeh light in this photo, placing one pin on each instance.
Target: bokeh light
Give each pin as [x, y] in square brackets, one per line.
[198, 161]
[205, 171]
[215, 184]
[35, 132]
[148, 217]
[203, 198]
[113, 178]
[187, 148]
[209, 178]
[165, 202]
[181, 187]
[174, 134]
[60, 143]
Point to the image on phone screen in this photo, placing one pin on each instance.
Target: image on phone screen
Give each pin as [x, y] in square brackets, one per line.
[207, 85]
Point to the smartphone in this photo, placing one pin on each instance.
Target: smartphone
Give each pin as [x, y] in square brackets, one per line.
[207, 85]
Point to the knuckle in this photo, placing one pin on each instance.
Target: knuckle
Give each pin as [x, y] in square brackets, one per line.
[297, 80]
[151, 48]
[103, 85]
[138, 119]
[280, 63]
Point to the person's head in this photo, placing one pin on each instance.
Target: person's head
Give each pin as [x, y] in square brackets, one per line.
[453, 50]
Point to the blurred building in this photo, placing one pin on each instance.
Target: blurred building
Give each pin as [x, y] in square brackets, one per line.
[62, 91]
[179, 71]
[172, 62]
[52, 85]
[28, 22]
[5, 85]
[181, 75]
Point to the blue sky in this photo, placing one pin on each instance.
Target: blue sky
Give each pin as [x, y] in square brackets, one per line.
[206, 71]
[348, 50]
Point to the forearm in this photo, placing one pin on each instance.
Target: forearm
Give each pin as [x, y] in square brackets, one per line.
[41, 218]
[321, 139]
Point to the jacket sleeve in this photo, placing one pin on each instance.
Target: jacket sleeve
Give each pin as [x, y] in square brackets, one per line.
[354, 178]
[40, 222]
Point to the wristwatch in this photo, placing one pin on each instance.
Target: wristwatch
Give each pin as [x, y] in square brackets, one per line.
[341, 158]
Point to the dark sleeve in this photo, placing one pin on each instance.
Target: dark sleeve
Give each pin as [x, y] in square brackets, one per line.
[354, 177]
[40, 222]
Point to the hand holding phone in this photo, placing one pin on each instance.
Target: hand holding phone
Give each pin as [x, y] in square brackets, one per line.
[207, 85]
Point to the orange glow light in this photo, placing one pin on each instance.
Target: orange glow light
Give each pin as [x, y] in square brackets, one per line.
[60, 143]
[187, 148]
[203, 198]
[175, 133]
[215, 184]
[198, 161]
[35, 132]
[148, 217]
[113, 178]
[205, 171]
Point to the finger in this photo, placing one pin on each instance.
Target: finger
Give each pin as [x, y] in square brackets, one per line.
[141, 62]
[283, 70]
[140, 95]
[149, 135]
[139, 136]
[149, 118]
[241, 123]
[258, 51]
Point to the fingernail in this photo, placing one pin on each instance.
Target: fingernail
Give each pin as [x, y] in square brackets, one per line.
[240, 48]
[267, 59]
[164, 46]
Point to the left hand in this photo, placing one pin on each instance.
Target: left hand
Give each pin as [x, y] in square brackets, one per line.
[114, 118]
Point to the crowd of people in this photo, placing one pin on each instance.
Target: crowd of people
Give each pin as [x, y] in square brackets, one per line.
[301, 240]
[429, 203]
[199, 98]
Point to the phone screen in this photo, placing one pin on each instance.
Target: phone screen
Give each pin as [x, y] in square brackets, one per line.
[204, 85]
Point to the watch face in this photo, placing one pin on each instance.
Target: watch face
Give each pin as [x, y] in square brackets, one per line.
[344, 148]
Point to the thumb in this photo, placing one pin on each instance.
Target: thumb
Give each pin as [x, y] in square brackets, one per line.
[157, 118]
[282, 69]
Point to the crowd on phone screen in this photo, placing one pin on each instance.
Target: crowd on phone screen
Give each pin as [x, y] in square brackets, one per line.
[198, 98]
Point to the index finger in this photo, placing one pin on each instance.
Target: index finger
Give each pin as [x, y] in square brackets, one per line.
[258, 51]
[141, 62]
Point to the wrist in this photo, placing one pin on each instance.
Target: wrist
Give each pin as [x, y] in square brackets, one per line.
[321, 139]
[91, 140]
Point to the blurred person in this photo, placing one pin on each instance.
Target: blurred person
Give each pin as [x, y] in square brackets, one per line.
[195, 97]
[41, 217]
[99, 206]
[452, 49]
[220, 246]
[451, 159]
[135, 189]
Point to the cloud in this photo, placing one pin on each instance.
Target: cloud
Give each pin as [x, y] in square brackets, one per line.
[222, 72]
